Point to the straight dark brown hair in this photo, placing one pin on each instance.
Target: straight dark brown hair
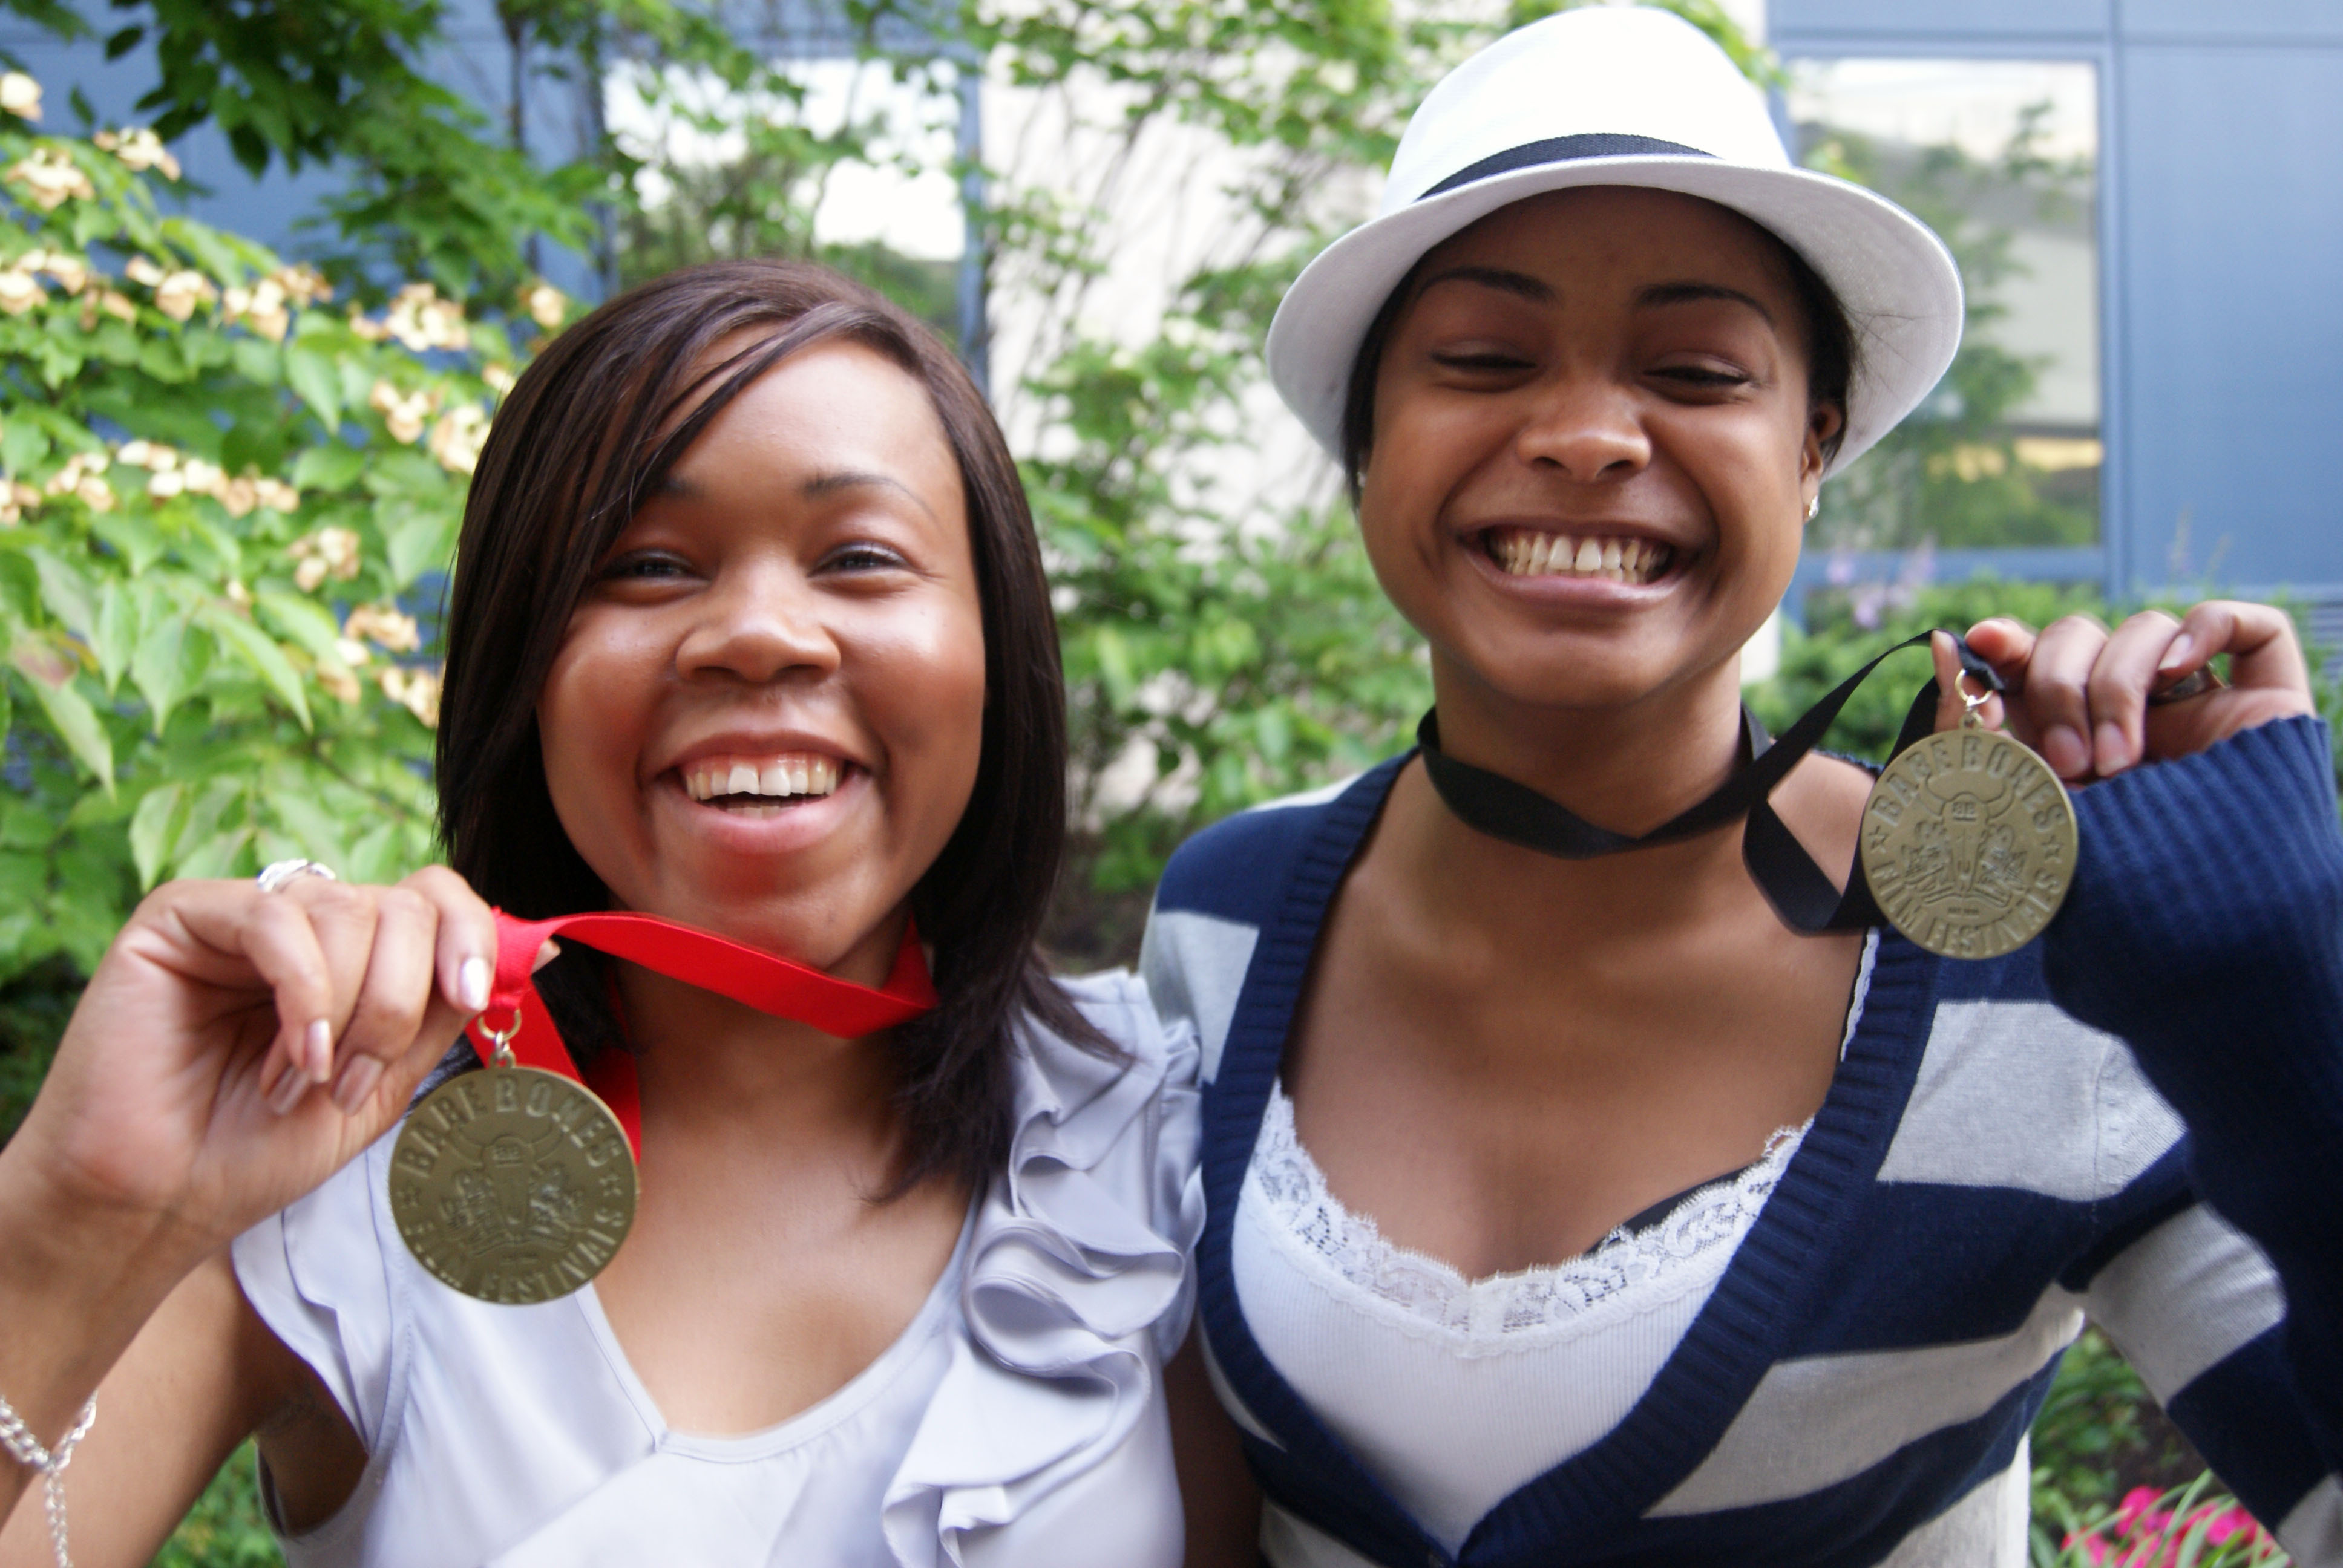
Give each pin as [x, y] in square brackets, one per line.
[583, 438]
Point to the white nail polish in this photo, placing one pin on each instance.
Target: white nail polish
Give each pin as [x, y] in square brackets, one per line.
[472, 984]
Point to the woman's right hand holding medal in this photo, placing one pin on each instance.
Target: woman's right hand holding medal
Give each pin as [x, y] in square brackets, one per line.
[236, 1047]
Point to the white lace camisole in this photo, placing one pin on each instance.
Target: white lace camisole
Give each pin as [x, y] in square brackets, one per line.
[1478, 1386]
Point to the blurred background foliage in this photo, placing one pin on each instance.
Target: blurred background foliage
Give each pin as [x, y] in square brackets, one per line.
[224, 504]
[1960, 472]
[231, 484]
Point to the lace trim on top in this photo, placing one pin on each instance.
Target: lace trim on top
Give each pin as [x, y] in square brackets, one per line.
[1701, 1229]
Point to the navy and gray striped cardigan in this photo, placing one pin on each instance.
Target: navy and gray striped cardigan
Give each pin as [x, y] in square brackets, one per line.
[2139, 1117]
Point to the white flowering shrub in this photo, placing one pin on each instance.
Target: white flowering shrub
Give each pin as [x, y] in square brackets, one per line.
[224, 504]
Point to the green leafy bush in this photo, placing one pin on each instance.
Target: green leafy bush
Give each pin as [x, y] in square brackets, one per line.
[224, 509]
[223, 502]
[226, 1528]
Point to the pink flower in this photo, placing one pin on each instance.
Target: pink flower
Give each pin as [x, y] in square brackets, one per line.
[2138, 1501]
[2147, 1536]
[2092, 1547]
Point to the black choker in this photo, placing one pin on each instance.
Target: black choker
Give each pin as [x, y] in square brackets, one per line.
[1807, 900]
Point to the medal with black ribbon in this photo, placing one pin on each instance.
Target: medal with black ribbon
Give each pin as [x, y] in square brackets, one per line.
[516, 1183]
[1967, 845]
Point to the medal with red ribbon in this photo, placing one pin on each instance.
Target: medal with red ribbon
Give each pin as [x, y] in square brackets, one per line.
[516, 1183]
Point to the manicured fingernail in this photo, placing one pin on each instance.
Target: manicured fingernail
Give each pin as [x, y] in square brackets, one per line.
[2063, 749]
[472, 984]
[317, 1044]
[2114, 750]
[359, 1075]
[291, 1084]
[2176, 655]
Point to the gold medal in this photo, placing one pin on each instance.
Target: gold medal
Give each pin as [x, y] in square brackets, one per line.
[1969, 842]
[512, 1185]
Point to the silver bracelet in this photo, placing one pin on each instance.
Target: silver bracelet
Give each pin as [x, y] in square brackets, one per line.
[27, 1450]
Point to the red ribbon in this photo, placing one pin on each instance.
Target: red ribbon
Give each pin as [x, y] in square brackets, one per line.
[747, 975]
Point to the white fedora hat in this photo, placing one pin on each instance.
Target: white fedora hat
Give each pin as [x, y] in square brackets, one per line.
[1622, 95]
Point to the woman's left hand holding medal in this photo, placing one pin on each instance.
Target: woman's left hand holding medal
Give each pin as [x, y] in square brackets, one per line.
[2094, 702]
[1969, 842]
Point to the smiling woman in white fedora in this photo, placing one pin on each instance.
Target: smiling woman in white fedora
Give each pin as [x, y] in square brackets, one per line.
[1591, 1177]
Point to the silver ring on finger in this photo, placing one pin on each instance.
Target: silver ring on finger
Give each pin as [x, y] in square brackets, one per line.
[276, 876]
[2197, 683]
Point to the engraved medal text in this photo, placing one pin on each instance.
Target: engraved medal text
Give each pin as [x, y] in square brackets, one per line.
[512, 1185]
[1968, 843]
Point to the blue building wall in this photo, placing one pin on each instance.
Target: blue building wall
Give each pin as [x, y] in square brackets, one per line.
[2221, 252]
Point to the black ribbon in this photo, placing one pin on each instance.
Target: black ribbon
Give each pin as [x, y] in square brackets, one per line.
[1807, 900]
[1564, 150]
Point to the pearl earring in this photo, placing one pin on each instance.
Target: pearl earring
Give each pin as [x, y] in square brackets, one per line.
[1814, 506]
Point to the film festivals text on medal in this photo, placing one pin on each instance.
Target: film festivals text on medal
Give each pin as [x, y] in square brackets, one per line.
[512, 1185]
[1969, 842]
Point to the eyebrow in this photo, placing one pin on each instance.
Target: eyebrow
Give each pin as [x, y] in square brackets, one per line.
[1496, 277]
[1687, 291]
[829, 484]
[813, 490]
[1680, 292]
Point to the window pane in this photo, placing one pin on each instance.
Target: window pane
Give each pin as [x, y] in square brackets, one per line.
[2000, 157]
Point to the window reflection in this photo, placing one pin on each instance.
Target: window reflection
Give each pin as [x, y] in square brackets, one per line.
[2000, 159]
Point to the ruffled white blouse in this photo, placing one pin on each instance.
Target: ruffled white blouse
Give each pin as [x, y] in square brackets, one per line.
[1019, 1420]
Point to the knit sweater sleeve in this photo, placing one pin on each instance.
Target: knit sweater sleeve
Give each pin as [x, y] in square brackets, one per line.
[2205, 928]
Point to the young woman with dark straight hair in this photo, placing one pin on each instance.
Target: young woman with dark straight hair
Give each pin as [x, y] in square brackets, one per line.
[749, 632]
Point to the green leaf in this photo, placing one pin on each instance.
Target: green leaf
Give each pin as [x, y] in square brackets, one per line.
[357, 382]
[376, 858]
[165, 361]
[154, 828]
[216, 856]
[311, 372]
[134, 534]
[210, 248]
[26, 826]
[76, 724]
[65, 592]
[161, 667]
[303, 620]
[1113, 654]
[257, 360]
[259, 650]
[320, 836]
[416, 538]
[24, 445]
[114, 637]
[1273, 734]
[332, 466]
[209, 809]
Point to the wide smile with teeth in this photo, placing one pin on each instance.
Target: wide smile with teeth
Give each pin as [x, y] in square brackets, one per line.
[762, 786]
[1529, 553]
